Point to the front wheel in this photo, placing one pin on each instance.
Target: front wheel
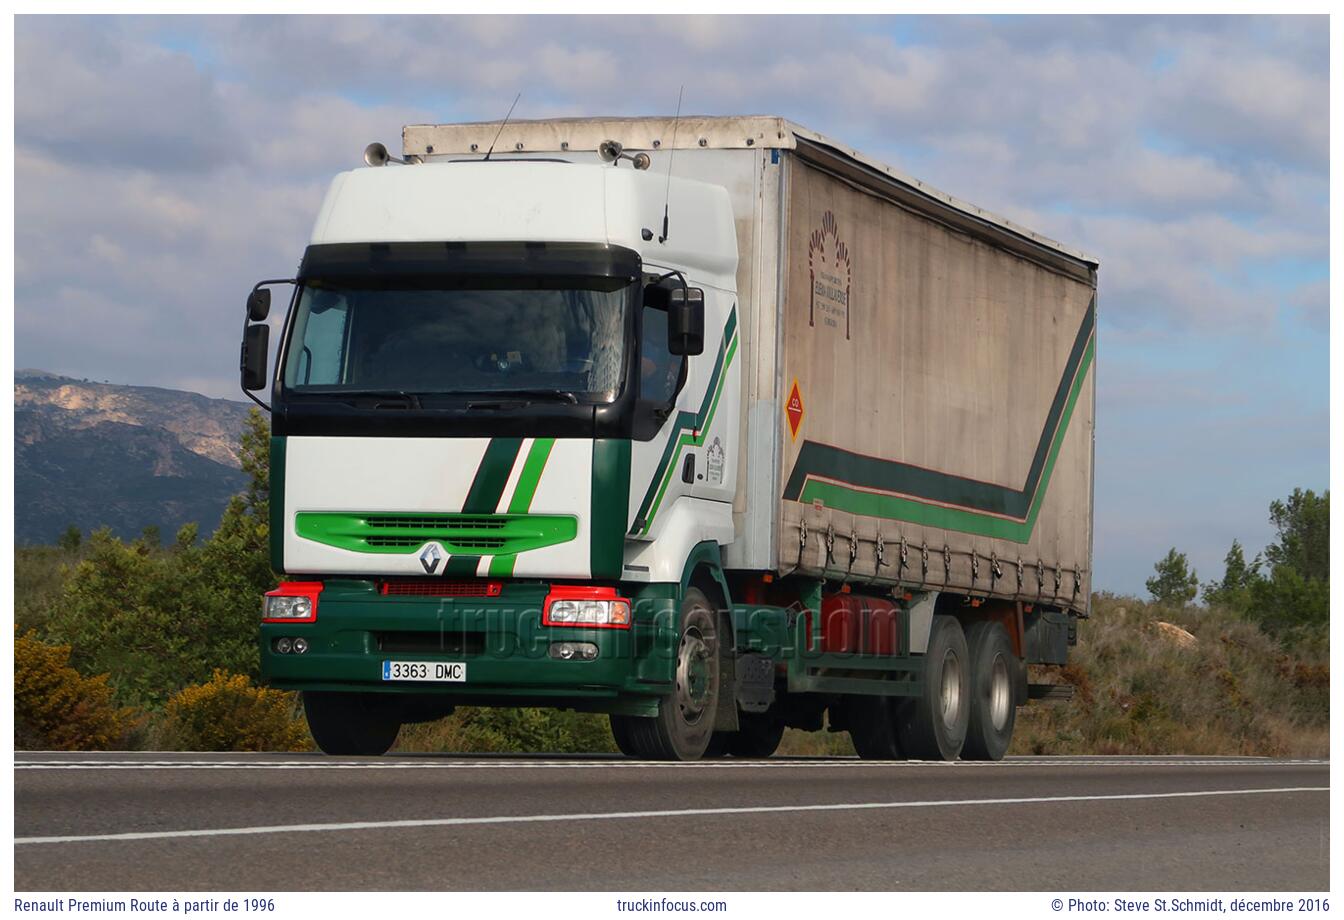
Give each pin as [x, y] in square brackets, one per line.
[685, 722]
[352, 723]
[933, 726]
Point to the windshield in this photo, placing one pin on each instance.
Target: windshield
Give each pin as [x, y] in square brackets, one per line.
[465, 335]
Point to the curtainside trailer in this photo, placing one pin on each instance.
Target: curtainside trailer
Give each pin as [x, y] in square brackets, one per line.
[711, 424]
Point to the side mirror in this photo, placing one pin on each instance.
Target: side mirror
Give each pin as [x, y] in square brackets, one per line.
[686, 321]
[657, 296]
[252, 362]
[259, 304]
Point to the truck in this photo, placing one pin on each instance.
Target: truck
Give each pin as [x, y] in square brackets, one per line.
[712, 425]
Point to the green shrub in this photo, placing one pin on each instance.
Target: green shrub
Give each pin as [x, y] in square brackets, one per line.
[227, 713]
[1236, 690]
[512, 731]
[58, 709]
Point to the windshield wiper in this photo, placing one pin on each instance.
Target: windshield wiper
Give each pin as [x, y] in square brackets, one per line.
[562, 395]
[408, 399]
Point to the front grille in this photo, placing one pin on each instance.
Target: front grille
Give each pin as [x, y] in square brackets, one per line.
[440, 587]
[448, 643]
[454, 521]
[458, 534]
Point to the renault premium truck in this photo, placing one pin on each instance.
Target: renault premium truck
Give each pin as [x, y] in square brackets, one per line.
[713, 425]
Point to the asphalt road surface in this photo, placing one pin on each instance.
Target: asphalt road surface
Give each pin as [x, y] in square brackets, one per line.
[181, 822]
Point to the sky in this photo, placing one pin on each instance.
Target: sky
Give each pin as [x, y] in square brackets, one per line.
[163, 165]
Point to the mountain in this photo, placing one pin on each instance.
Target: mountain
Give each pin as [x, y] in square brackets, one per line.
[125, 457]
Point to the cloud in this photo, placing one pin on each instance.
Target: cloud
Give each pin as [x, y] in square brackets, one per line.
[164, 164]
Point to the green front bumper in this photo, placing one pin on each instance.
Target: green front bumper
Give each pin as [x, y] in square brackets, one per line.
[500, 639]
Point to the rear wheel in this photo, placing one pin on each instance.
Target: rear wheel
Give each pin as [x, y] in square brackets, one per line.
[872, 728]
[685, 721]
[933, 726]
[993, 709]
[352, 723]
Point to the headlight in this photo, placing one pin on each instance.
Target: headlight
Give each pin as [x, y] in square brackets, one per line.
[571, 605]
[292, 602]
[289, 608]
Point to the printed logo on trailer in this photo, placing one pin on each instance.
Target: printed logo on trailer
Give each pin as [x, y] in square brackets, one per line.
[829, 269]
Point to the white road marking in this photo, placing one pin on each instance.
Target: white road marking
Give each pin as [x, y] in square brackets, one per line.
[776, 764]
[627, 815]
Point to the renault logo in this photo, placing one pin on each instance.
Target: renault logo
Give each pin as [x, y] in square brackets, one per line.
[429, 558]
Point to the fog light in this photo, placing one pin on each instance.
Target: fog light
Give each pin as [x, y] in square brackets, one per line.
[283, 645]
[570, 651]
[300, 645]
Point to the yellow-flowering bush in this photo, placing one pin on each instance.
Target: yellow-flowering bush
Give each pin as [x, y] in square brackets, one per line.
[58, 709]
[227, 713]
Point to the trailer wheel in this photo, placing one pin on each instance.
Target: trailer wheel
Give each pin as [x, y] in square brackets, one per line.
[758, 734]
[933, 726]
[993, 709]
[685, 721]
[872, 728]
[352, 723]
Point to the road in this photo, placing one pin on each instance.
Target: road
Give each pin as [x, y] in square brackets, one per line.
[174, 822]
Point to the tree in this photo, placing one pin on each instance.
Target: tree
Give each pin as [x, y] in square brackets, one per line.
[1303, 525]
[157, 621]
[1238, 577]
[70, 539]
[1296, 594]
[1175, 583]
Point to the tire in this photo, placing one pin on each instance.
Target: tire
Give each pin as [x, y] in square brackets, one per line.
[718, 745]
[685, 722]
[993, 707]
[933, 726]
[758, 734]
[620, 732]
[347, 724]
[872, 728]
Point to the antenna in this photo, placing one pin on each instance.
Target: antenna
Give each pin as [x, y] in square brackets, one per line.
[501, 127]
[667, 193]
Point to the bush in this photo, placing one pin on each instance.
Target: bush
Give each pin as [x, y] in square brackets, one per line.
[58, 709]
[157, 620]
[512, 731]
[1236, 690]
[227, 713]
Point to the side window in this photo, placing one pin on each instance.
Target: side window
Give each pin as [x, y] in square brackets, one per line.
[659, 369]
[322, 341]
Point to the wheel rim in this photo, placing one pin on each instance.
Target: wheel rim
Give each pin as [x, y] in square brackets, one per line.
[950, 693]
[693, 676]
[999, 693]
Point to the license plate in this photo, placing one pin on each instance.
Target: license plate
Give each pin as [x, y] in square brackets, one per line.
[455, 671]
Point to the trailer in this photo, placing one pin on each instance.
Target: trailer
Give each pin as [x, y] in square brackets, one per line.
[712, 424]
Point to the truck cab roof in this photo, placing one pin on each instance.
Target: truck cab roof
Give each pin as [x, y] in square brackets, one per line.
[536, 201]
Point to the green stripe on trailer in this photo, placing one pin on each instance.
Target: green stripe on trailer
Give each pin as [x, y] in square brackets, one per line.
[844, 497]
